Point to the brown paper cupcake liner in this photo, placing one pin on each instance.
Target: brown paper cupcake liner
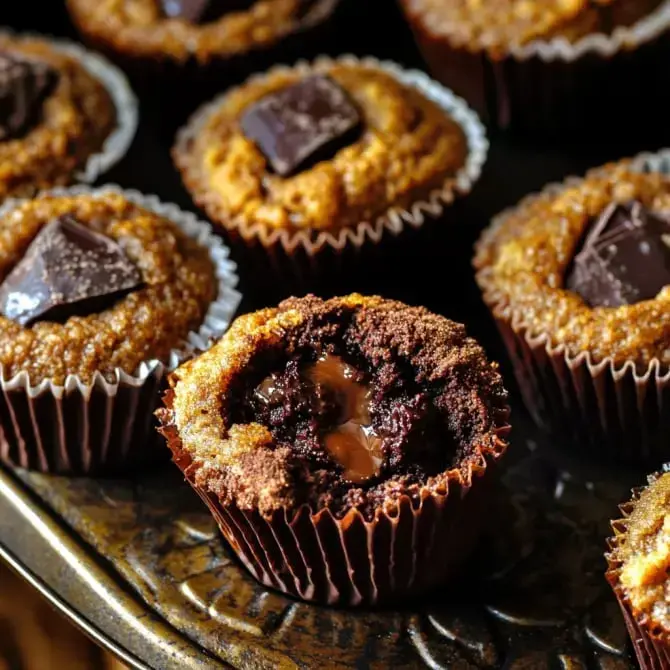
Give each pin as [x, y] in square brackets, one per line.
[119, 140]
[401, 552]
[551, 86]
[298, 259]
[652, 652]
[615, 412]
[106, 426]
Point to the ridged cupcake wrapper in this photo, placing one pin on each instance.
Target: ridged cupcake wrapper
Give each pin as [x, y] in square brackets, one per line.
[652, 652]
[106, 426]
[298, 258]
[119, 140]
[619, 413]
[351, 561]
[548, 85]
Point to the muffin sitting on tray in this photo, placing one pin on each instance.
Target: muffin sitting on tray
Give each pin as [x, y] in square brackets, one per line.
[578, 279]
[545, 66]
[203, 30]
[100, 292]
[66, 115]
[343, 446]
[329, 155]
[639, 566]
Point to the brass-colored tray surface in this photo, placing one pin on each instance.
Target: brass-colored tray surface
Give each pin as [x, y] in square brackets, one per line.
[534, 595]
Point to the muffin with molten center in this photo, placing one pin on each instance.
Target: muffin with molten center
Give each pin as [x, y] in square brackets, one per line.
[343, 446]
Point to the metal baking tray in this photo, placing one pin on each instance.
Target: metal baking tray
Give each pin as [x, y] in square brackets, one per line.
[138, 564]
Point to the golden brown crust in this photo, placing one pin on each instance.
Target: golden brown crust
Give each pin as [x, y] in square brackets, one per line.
[76, 120]
[409, 147]
[241, 463]
[640, 557]
[523, 260]
[180, 284]
[137, 28]
[498, 25]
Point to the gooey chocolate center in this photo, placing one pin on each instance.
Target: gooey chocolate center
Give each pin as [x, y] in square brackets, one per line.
[350, 440]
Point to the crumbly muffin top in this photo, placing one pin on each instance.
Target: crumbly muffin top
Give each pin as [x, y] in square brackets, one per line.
[643, 555]
[75, 121]
[523, 262]
[140, 28]
[497, 25]
[408, 147]
[179, 285]
[346, 403]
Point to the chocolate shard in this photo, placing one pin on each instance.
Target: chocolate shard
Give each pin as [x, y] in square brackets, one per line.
[24, 86]
[202, 11]
[625, 258]
[67, 270]
[302, 124]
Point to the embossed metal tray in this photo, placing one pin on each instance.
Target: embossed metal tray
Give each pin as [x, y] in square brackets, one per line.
[138, 564]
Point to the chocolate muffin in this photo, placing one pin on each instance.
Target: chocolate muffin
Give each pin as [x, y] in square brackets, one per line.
[178, 31]
[328, 157]
[66, 115]
[577, 279]
[343, 446]
[100, 293]
[638, 570]
[541, 65]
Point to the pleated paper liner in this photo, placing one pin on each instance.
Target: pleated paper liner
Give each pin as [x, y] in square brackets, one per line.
[298, 261]
[173, 89]
[106, 426]
[608, 411]
[400, 552]
[651, 650]
[554, 87]
[119, 140]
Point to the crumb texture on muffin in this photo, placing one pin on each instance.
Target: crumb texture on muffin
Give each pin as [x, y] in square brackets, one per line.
[524, 259]
[498, 25]
[407, 148]
[140, 28]
[643, 555]
[74, 123]
[347, 403]
[179, 283]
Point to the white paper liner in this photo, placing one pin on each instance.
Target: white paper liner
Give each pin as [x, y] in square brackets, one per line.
[394, 220]
[118, 142]
[601, 402]
[138, 391]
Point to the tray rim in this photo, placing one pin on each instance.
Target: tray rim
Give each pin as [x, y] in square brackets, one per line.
[24, 508]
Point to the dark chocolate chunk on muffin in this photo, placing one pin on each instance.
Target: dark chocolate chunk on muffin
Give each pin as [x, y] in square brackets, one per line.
[358, 410]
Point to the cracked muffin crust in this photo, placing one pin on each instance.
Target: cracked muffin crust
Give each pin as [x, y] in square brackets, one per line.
[73, 123]
[178, 285]
[408, 147]
[523, 262]
[142, 29]
[349, 403]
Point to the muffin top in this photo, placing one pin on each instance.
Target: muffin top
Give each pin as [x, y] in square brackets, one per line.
[498, 25]
[319, 151]
[587, 266]
[54, 115]
[95, 283]
[347, 403]
[642, 553]
[200, 29]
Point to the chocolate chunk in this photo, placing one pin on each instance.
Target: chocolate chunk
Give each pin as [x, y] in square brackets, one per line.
[202, 11]
[24, 86]
[302, 124]
[625, 257]
[67, 270]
